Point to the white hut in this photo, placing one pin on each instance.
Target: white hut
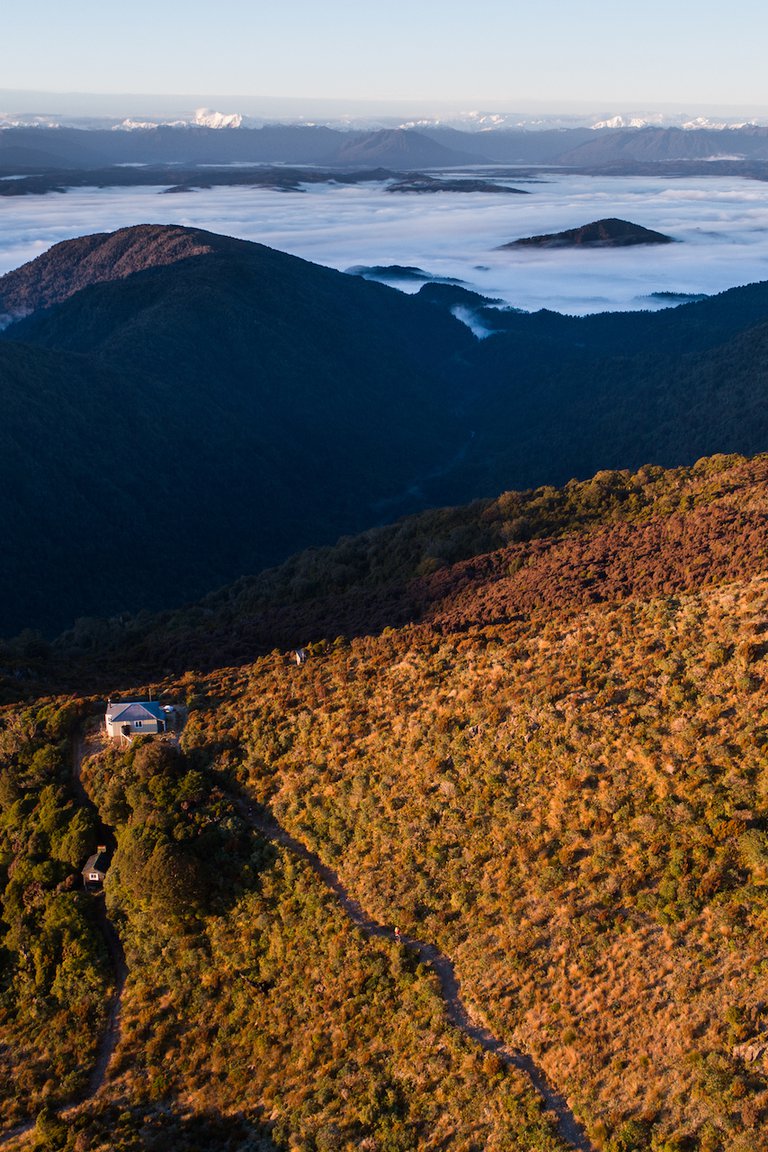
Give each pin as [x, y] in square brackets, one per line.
[136, 718]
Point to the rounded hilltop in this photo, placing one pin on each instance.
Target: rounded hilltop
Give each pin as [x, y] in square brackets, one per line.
[608, 233]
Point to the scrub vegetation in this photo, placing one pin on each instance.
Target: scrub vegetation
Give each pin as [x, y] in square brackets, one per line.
[556, 770]
[54, 976]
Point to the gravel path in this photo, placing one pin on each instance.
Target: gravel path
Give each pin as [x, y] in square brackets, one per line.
[111, 1034]
[459, 1015]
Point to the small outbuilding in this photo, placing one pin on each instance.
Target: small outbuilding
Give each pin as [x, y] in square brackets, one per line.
[96, 869]
[136, 717]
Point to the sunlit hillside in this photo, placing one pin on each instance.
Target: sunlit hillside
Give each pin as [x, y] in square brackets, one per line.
[552, 766]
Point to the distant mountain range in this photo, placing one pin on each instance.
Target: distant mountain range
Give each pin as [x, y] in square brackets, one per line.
[181, 408]
[171, 112]
[36, 149]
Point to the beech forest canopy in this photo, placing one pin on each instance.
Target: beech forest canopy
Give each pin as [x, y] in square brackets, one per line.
[348, 404]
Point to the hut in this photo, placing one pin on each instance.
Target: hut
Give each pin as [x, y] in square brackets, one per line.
[128, 718]
[96, 869]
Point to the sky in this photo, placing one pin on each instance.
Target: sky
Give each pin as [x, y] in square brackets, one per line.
[500, 54]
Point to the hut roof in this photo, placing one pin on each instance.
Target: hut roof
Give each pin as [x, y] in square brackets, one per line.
[135, 710]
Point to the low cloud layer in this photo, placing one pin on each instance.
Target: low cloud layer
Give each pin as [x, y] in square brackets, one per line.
[722, 223]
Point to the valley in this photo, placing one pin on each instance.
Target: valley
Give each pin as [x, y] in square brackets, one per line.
[716, 217]
[275, 404]
[463, 843]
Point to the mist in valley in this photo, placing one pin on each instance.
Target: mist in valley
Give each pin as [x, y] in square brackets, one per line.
[721, 224]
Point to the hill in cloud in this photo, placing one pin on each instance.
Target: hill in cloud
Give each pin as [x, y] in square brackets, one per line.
[405, 273]
[607, 233]
[400, 148]
[74, 264]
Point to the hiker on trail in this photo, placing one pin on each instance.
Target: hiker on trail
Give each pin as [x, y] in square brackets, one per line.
[397, 936]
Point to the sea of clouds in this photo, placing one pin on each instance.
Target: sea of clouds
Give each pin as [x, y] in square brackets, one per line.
[721, 223]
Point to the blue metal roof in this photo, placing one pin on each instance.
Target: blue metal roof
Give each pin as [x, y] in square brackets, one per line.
[136, 710]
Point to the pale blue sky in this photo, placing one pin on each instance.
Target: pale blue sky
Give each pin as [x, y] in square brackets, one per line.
[503, 53]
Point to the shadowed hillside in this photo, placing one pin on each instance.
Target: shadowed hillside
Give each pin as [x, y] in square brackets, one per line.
[545, 550]
[239, 402]
[184, 408]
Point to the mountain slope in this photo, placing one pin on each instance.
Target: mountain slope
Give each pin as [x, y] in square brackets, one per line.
[400, 148]
[513, 146]
[265, 402]
[39, 148]
[74, 264]
[545, 549]
[662, 144]
[274, 143]
[568, 794]
[268, 404]
[553, 767]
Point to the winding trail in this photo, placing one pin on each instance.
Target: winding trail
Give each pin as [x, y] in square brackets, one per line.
[111, 1033]
[458, 1014]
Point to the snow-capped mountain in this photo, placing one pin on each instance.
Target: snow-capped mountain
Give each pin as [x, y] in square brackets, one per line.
[472, 120]
[207, 118]
[681, 120]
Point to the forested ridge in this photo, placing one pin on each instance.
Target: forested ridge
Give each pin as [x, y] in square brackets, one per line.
[181, 409]
[663, 530]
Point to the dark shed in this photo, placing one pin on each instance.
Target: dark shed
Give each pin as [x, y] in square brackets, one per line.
[96, 869]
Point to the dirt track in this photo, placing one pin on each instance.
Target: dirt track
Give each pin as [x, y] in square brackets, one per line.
[458, 1014]
[567, 1125]
[111, 1034]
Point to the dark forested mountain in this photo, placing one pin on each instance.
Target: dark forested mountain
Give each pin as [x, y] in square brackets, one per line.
[662, 144]
[182, 408]
[25, 149]
[565, 396]
[172, 429]
[36, 149]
